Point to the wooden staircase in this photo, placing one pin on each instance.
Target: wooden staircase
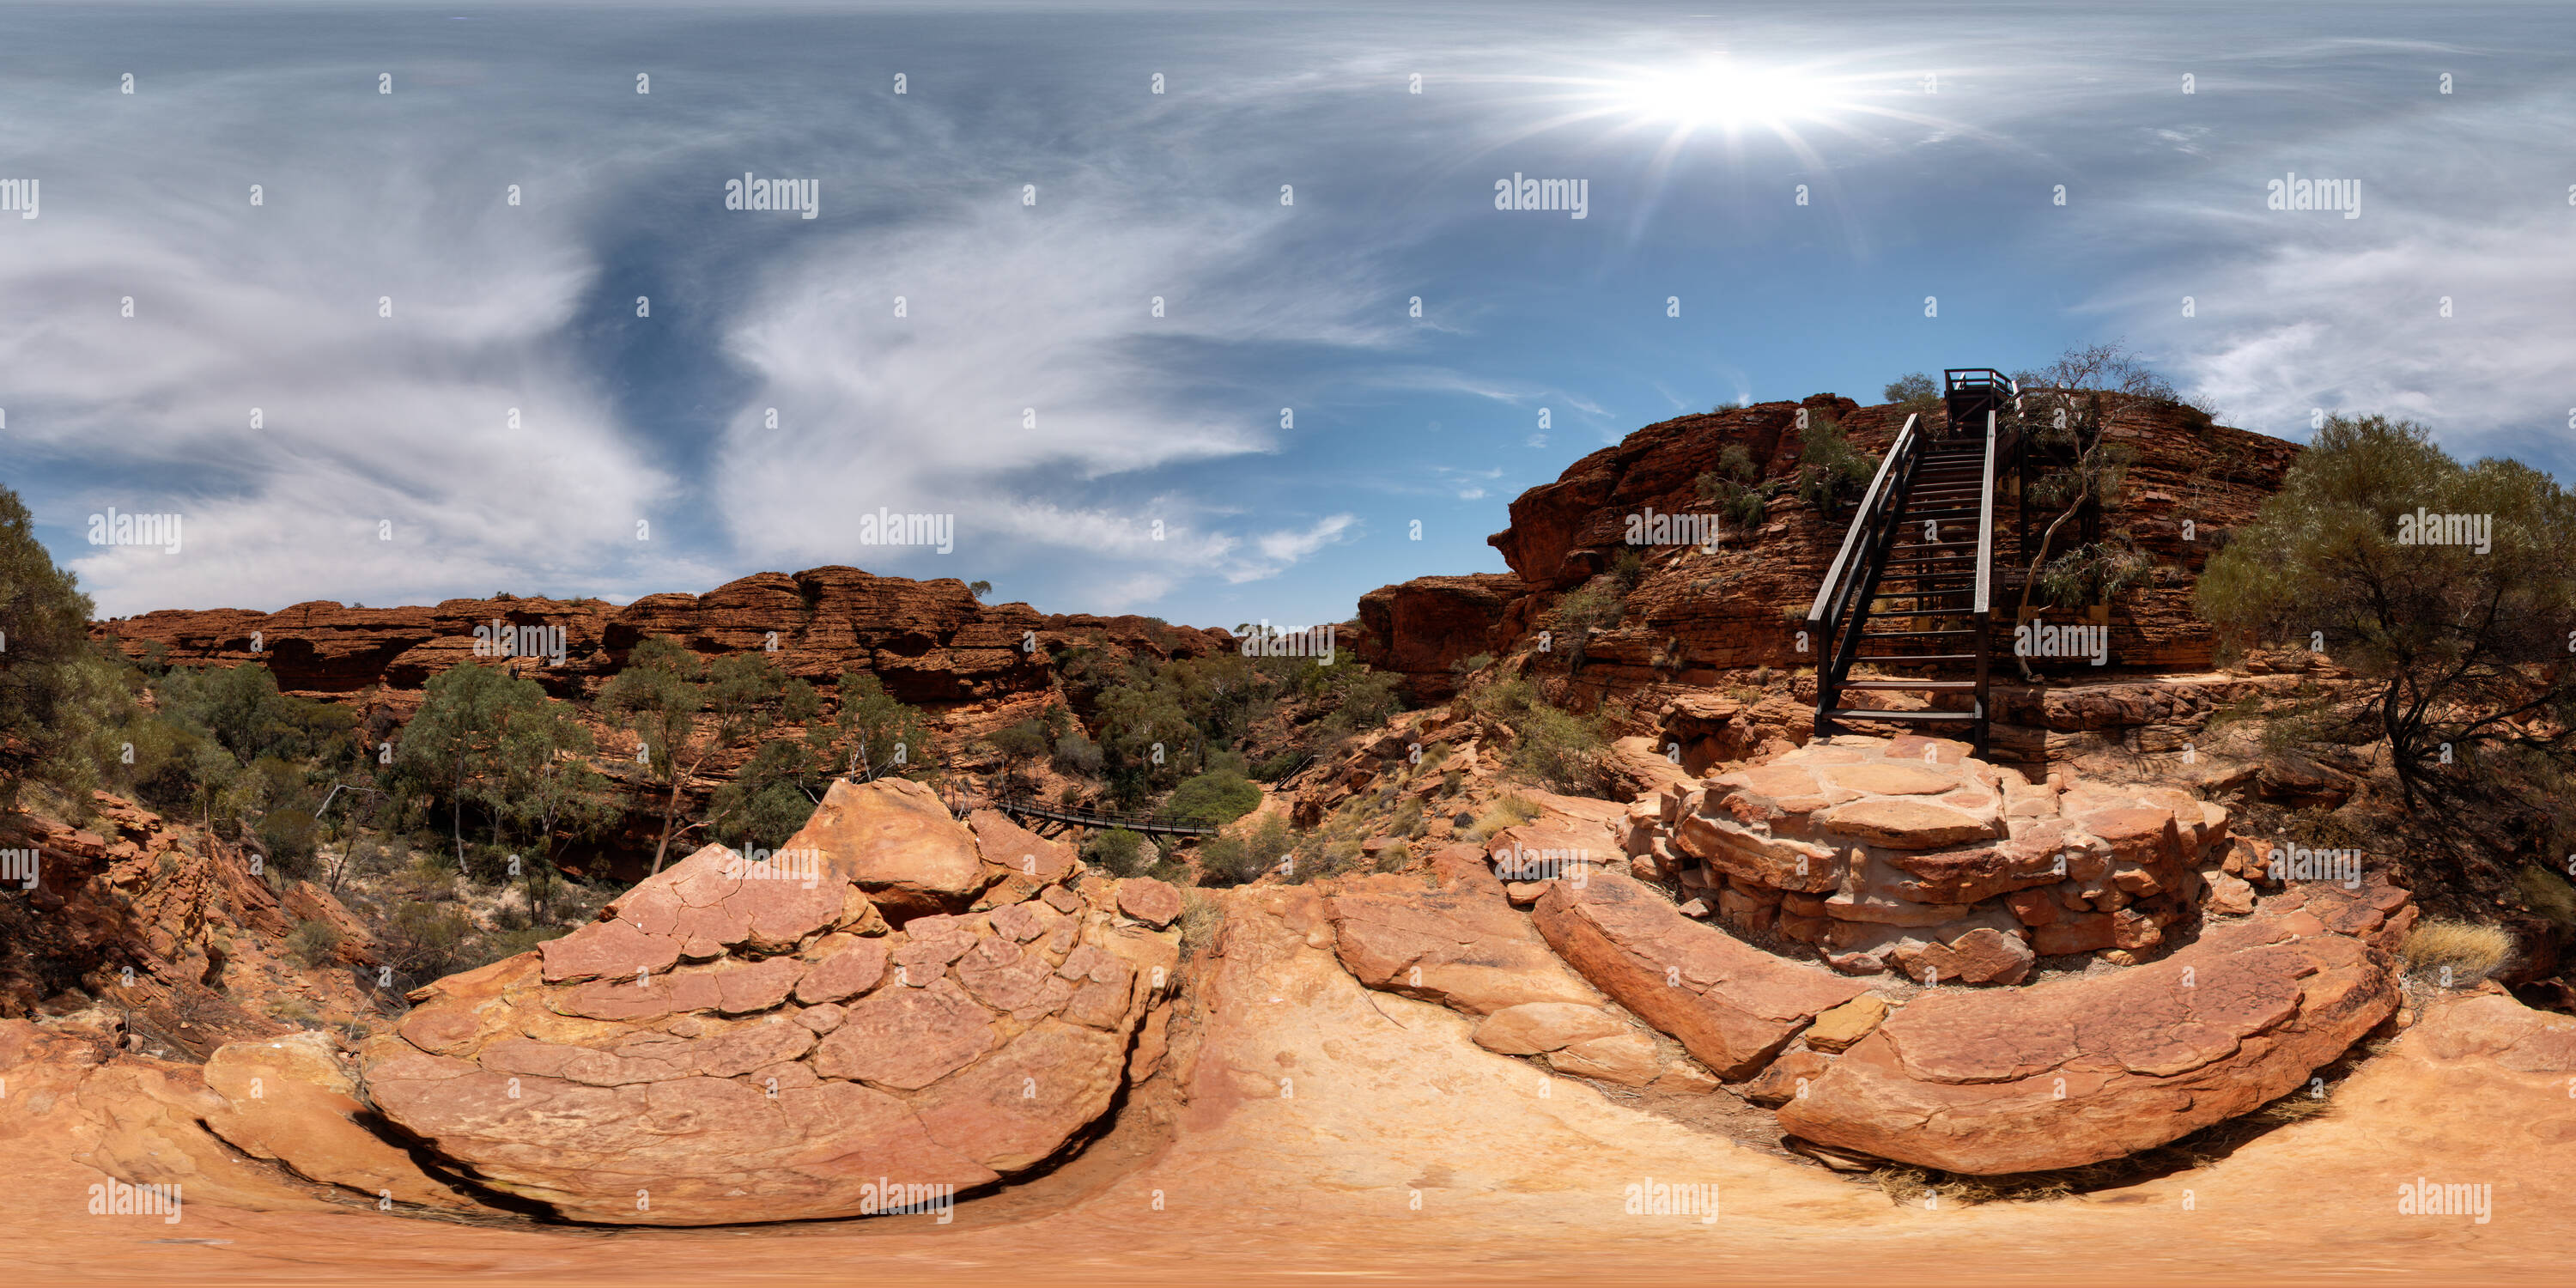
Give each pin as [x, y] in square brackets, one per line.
[1909, 591]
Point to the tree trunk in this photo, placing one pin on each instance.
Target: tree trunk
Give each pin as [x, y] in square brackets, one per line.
[670, 814]
[2032, 579]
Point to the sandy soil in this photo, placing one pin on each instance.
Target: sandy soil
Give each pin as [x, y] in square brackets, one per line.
[1330, 1134]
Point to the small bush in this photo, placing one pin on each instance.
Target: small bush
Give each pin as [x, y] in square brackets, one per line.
[2455, 954]
[1214, 799]
[1830, 473]
[1121, 852]
[1243, 855]
[313, 942]
[292, 838]
[1078, 756]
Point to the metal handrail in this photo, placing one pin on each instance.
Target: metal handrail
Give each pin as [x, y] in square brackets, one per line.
[1131, 822]
[1986, 522]
[1868, 504]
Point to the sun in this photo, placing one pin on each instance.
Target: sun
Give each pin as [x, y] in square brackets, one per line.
[1724, 94]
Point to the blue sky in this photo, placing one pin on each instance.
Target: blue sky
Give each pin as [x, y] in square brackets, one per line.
[1931, 144]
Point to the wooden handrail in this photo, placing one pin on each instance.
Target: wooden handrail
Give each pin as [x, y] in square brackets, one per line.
[1986, 522]
[1860, 518]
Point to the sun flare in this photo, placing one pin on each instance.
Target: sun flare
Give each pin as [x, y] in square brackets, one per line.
[1727, 95]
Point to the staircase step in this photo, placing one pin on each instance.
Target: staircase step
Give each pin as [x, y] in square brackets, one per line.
[1915, 657]
[1928, 717]
[1943, 685]
[1908, 635]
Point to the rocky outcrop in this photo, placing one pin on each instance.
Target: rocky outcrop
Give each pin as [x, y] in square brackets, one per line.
[1420, 627]
[741, 1041]
[2100, 1066]
[1732, 608]
[292, 1100]
[186, 935]
[1457, 943]
[1729, 1004]
[931, 642]
[1906, 854]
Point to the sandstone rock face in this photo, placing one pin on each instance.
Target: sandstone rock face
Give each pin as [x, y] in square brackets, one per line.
[1729, 1004]
[289, 1099]
[205, 937]
[1908, 854]
[1835, 1030]
[1150, 901]
[1417, 628]
[1461, 944]
[1534, 1028]
[1565, 531]
[931, 642]
[726, 1046]
[894, 840]
[2096, 1067]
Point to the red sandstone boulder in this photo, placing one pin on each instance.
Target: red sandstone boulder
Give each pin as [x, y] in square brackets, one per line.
[2100, 1066]
[1150, 901]
[1729, 1004]
[759, 1050]
[1460, 944]
[894, 840]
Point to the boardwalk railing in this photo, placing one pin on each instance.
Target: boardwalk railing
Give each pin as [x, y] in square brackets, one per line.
[1025, 808]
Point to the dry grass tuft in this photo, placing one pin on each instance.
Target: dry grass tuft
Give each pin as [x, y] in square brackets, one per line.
[1912, 1185]
[2457, 954]
[1202, 914]
[1510, 811]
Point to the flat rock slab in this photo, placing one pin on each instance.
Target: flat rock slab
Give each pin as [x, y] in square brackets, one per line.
[1729, 1004]
[2097, 1067]
[761, 1049]
[1460, 944]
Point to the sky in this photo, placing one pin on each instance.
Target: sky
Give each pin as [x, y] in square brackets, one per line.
[1200, 311]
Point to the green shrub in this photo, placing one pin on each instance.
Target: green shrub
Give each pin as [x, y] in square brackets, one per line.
[1122, 852]
[1077, 755]
[313, 942]
[1245, 854]
[1214, 799]
[1914, 392]
[1830, 472]
[292, 838]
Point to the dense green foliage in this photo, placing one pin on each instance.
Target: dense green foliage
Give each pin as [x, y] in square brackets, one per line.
[2466, 646]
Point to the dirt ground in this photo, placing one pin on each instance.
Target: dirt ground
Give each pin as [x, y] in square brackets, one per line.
[1329, 1134]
